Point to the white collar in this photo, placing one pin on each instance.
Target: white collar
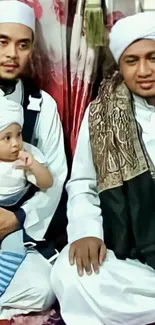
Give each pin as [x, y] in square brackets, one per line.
[141, 102]
[17, 95]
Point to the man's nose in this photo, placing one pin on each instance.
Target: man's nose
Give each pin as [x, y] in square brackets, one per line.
[144, 69]
[11, 51]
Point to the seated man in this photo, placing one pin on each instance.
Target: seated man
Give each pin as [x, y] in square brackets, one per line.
[113, 176]
[30, 288]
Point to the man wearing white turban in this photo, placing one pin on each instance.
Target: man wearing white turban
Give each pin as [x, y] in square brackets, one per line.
[30, 289]
[106, 275]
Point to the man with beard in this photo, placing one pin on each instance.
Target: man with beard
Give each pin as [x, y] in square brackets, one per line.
[29, 289]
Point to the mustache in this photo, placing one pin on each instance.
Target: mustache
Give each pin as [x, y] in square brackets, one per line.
[9, 63]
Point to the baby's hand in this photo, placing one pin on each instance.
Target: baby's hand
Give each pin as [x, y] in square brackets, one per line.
[24, 161]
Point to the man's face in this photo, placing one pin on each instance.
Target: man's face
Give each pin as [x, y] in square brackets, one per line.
[16, 42]
[137, 66]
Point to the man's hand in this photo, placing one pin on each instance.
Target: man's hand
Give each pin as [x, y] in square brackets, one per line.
[87, 253]
[8, 223]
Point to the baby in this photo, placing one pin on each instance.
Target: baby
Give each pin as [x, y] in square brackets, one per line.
[20, 165]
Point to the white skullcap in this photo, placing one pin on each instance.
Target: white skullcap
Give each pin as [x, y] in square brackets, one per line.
[130, 29]
[10, 112]
[12, 11]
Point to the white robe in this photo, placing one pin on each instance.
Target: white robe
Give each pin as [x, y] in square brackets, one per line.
[124, 291]
[30, 289]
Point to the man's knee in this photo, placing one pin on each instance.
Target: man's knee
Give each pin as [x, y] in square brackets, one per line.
[62, 264]
[40, 287]
[30, 288]
[63, 275]
[42, 293]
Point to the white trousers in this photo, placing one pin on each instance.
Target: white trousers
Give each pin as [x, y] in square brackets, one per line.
[30, 289]
[122, 293]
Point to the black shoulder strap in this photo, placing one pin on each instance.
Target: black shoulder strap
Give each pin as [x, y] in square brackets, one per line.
[29, 115]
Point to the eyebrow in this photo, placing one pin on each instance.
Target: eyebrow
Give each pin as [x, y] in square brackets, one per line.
[2, 136]
[4, 36]
[26, 40]
[128, 56]
[7, 133]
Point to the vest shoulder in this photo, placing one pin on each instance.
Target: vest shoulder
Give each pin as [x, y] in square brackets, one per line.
[48, 98]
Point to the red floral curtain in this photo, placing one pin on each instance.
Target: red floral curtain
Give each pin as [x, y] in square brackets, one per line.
[63, 63]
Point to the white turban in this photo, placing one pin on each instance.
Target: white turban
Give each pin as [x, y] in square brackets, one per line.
[130, 29]
[10, 112]
[12, 11]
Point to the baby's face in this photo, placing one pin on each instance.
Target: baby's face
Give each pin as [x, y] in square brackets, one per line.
[10, 143]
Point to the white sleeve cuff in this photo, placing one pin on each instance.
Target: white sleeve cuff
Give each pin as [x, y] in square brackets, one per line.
[93, 229]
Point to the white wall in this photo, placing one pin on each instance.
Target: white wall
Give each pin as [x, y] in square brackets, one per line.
[149, 4]
[128, 7]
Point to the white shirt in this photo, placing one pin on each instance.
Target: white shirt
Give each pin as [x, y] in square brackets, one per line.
[84, 212]
[145, 115]
[48, 130]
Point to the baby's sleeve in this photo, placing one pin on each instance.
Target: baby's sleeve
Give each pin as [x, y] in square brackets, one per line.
[37, 155]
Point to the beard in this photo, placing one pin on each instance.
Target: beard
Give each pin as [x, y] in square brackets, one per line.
[8, 86]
